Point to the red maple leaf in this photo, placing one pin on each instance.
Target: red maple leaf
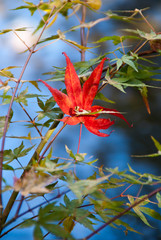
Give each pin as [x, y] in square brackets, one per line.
[77, 103]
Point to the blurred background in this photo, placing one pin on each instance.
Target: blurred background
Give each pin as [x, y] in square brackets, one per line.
[124, 142]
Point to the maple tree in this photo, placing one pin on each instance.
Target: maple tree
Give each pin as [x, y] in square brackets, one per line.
[69, 200]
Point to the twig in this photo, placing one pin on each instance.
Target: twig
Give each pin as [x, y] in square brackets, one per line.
[80, 133]
[140, 189]
[46, 235]
[22, 41]
[140, 11]
[46, 45]
[82, 33]
[141, 46]
[9, 230]
[19, 207]
[31, 120]
[53, 139]
[29, 208]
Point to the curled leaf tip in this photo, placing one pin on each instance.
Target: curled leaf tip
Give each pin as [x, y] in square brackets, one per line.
[64, 53]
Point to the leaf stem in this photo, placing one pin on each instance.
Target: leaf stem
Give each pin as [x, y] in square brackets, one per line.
[31, 120]
[145, 20]
[82, 32]
[80, 133]
[53, 139]
[19, 207]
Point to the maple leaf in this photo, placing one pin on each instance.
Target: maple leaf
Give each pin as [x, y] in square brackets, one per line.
[32, 182]
[77, 103]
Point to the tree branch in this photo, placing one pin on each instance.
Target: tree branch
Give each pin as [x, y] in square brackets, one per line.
[82, 32]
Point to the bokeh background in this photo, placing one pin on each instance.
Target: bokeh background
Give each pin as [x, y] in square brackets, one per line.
[123, 142]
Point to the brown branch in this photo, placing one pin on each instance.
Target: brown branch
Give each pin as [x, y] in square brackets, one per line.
[148, 23]
[22, 41]
[52, 140]
[82, 33]
[19, 207]
[16, 226]
[31, 120]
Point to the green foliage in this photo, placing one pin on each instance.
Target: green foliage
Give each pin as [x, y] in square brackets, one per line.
[11, 30]
[78, 157]
[138, 211]
[48, 109]
[5, 73]
[10, 155]
[130, 76]
[157, 145]
[21, 98]
[129, 60]
[158, 196]
[116, 39]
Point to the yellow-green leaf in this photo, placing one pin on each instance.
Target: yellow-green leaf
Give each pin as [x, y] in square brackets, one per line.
[95, 4]
[137, 209]
[158, 197]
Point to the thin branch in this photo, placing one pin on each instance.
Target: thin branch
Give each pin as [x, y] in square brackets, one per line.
[47, 45]
[140, 11]
[22, 41]
[19, 207]
[92, 24]
[31, 120]
[41, 15]
[20, 163]
[80, 133]
[46, 235]
[87, 35]
[141, 46]
[9, 230]
[140, 189]
[53, 139]
[82, 33]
